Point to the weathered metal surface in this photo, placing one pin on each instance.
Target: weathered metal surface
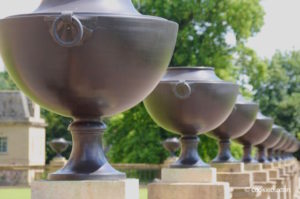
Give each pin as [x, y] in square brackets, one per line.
[237, 124]
[87, 59]
[258, 133]
[188, 102]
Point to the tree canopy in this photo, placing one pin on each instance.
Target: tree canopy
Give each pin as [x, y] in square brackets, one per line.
[279, 93]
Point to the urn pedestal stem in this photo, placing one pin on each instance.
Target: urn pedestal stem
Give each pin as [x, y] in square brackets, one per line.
[87, 160]
[247, 158]
[271, 155]
[224, 154]
[262, 158]
[277, 155]
[189, 156]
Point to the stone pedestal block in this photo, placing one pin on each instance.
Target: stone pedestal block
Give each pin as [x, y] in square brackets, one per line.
[58, 162]
[245, 193]
[253, 167]
[202, 175]
[268, 189]
[236, 179]
[280, 187]
[228, 167]
[169, 161]
[119, 189]
[194, 183]
[260, 176]
[268, 166]
[162, 190]
[273, 173]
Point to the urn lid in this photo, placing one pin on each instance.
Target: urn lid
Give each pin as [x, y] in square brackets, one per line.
[124, 7]
[241, 100]
[59, 140]
[277, 130]
[199, 74]
[260, 116]
[276, 127]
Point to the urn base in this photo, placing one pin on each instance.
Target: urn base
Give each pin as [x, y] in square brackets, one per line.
[87, 160]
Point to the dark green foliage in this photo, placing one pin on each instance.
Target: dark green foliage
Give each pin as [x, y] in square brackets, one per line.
[135, 138]
[279, 94]
[6, 83]
[57, 128]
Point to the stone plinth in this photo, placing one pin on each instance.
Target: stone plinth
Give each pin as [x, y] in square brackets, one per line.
[260, 176]
[119, 189]
[268, 189]
[280, 185]
[268, 166]
[228, 167]
[245, 193]
[253, 167]
[277, 164]
[162, 190]
[273, 173]
[237, 179]
[58, 162]
[189, 184]
[203, 175]
[169, 161]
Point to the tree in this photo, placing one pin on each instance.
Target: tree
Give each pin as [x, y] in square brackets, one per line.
[6, 83]
[279, 93]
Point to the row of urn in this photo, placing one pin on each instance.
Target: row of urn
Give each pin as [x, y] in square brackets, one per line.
[192, 101]
[91, 59]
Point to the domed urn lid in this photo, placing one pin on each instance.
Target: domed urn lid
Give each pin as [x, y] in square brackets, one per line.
[241, 100]
[88, 7]
[109, 7]
[199, 74]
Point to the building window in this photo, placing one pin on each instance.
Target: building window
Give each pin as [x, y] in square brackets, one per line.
[3, 144]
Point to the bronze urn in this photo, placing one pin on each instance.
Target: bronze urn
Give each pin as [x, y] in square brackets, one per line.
[276, 148]
[237, 124]
[59, 146]
[171, 145]
[87, 59]
[190, 101]
[284, 152]
[258, 133]
[293, 148]
[271, 141]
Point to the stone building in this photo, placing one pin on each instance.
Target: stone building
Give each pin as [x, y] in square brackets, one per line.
[22, 136]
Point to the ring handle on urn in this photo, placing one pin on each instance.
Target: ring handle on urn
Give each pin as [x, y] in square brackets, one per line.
[67, 30]
[182, 90]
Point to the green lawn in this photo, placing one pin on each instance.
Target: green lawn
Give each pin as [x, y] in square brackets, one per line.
[24, 193]
[12, 193]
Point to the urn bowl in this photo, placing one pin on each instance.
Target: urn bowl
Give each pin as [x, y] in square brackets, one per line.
[259, 132]
[274, 138]
[85, 65]
[59, 145]
[239, 121]
[171, 145]
[191, 101]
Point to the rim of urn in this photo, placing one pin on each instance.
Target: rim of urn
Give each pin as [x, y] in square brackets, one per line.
[217, 80]
[277, 134]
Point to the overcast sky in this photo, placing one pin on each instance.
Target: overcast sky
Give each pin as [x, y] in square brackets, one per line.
[281, 30]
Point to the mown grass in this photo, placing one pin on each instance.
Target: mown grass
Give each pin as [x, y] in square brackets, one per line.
[15, 193]
[24, 193]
